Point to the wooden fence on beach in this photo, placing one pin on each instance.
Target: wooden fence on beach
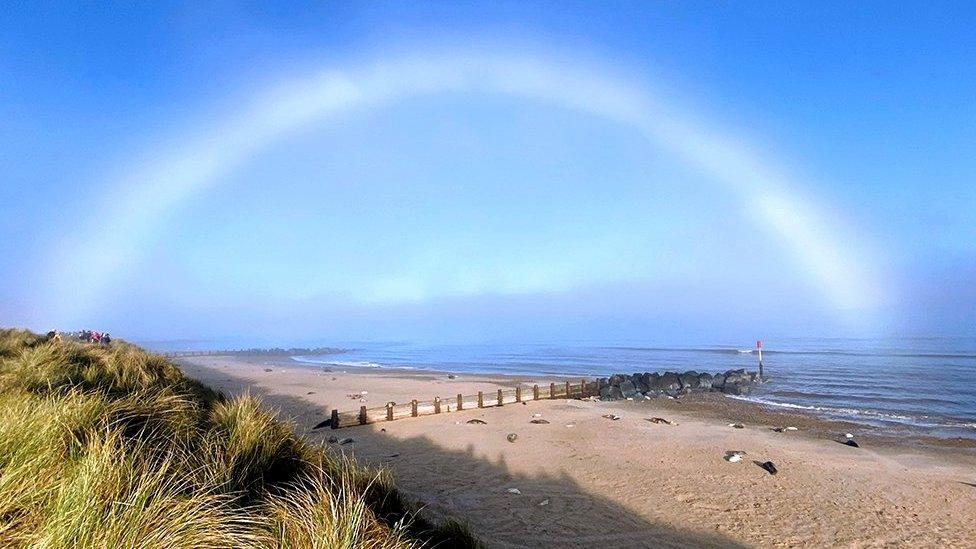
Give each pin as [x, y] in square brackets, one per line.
[416, 408]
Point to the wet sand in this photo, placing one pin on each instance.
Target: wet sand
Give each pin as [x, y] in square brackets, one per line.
[584, 479]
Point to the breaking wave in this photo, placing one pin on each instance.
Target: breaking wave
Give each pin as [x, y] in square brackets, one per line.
[856, 413]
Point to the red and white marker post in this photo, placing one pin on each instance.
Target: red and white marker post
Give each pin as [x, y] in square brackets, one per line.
[759, 348]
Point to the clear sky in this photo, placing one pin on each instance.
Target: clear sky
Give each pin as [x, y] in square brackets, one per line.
[512, 171]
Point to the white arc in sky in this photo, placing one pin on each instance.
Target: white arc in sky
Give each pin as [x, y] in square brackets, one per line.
[80, 275]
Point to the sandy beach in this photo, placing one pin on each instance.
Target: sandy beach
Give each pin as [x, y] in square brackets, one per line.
[582, 479]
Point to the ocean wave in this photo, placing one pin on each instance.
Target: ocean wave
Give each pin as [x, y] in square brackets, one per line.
[863, 394]
[826, 352]
[339, 363]
[925, 421]
[355, 364]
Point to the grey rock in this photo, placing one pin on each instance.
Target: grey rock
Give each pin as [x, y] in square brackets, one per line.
[627, 389]
[705, 381]
[611, 393]
[689, 381]
[718, 381]
[651, 380]
[736, 389]
[617, 379]
[639, 383]
[734, 377]
[668, 382]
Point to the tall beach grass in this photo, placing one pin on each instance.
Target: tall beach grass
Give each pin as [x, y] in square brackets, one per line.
[115, 447]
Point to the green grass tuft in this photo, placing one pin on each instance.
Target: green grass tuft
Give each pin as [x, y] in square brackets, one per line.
[115, 447]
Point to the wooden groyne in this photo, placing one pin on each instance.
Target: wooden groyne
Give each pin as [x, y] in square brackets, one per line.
[393, 411]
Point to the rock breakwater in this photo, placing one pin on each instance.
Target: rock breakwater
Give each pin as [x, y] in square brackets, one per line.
[674, 384]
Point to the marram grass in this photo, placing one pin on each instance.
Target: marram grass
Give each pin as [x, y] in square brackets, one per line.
[115, 447]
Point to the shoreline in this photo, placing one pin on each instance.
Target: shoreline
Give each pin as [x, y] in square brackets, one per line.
[583, 479]
[346, 365]
[713, 405]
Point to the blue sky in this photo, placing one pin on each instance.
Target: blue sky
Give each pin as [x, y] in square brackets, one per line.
[509, 171]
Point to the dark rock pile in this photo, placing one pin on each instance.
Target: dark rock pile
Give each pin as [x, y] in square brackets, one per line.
[653, 384]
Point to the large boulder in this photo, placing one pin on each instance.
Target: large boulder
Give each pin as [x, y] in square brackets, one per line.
[737, 382]
[627, 389]
[736, 389]
[610, 392]
[617, 379]
[735, 377]
[689, 381]
[639, 383]
[651, 380]
[705, 381]
[668, 382]
[718, 381]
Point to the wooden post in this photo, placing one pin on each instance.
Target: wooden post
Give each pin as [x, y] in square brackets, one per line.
[413, 407]
[552, 390]
[389, 411]
[568, 389]
[460, 402]
[535, 392]
[518, 393]
[499, 397]
[759, 348]
[335, 419]
[362, 415]
[437, 405]
[481, 400]
[582, 388]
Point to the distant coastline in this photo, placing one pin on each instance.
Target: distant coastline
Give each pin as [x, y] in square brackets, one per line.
[270, 352]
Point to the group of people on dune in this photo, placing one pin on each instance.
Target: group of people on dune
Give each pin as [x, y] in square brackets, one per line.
[88, 336]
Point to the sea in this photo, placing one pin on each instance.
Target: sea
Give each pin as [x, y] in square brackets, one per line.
[926, 385]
